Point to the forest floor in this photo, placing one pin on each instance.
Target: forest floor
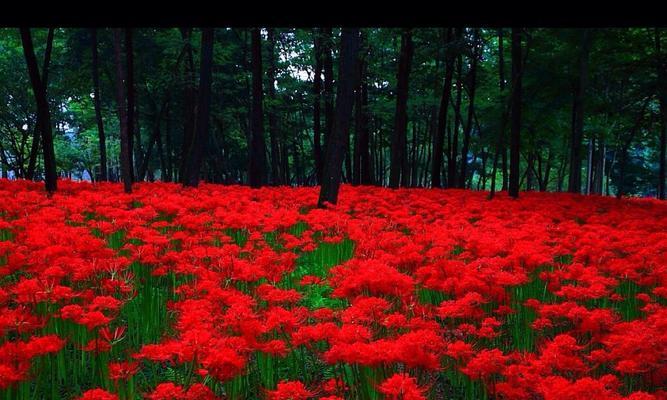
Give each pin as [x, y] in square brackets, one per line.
[238, 293]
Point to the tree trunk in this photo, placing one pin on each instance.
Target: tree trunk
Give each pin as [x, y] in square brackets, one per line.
[661, 66]
[98, 107]
[200, 139]
[500, 142]
[574, 182]
[36, 142]
[439, 134]
[188, 102]
[327, 65]
[276, 175]
[317, 102]
[472, 86]
[454, 147]
[347, 76]
[43, 113]
[121, 99]
[516, 113]
[399, 160]
[129, 54]
[257, 153]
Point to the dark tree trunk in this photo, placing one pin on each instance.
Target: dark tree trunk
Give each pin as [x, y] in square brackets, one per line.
[327, 65]
[574, 182]
[188, 102]
[454, 146]
[276, 174]
[317, 102]
[121, 99]
[347, 76]
[361, 172]
[439, 134]
[129, 54]
[472, 86]
[398, 169]
[516, 113]
[661, 66]
[200, 139]
[257, 153]
[43, 113]
[500, 142]
[36, 142]
[98, 107]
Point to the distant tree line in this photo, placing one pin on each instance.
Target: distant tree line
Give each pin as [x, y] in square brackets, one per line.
[578, 110]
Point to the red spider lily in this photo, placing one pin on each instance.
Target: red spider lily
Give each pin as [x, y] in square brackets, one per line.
[402, 387]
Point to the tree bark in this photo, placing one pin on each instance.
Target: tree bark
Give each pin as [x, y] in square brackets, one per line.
[36, 142]
[439, 134]
[257, 153]
[200, 139]
[317, 103]
[516, 113]
[188, 102]
[500, 142]
[398, 170]
[335, 150]
[327, 65]
[574, 181]
[98, 107]
[472, 86]
[276, 174]
[121, 99]
[661, 66]
[454, 144]
[43, 114]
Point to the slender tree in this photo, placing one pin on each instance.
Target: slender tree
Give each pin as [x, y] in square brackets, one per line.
[276, 174]
[398, 170]
[439, 134]
[661, 66]
[516, 112]
[36, 138]
[574, 181]
[132, 132]
[39, 89]
[121, 100]
[317, 104]
[257, 153]
[335, 151]
[200, 140]
[472, 86]
[327, 67]
[98, 106]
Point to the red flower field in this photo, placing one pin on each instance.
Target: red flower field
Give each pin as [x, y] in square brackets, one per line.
[230, 292]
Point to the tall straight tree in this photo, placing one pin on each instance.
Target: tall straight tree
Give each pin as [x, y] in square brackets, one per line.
[515, 137]
[661, 66]
[129, 54]
[500, 141]
[276, 174]
[472, 86]
[335, 151]
[98, 106]
[317, 104]
[43, 113]
[362, 157]
[327, 66]
[398, 170]
[200, 139]
[257, 153]
[36, 139]
[439, 134]
[453, 139]
[188, 101]
[574, 181]
[121, 100]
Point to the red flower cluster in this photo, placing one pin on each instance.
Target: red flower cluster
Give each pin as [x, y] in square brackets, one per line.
[391, 292]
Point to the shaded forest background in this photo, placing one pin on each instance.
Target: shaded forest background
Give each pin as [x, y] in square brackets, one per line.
[579, 110]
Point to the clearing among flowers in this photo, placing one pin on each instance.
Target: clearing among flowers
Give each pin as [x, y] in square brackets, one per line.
[231, 292]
